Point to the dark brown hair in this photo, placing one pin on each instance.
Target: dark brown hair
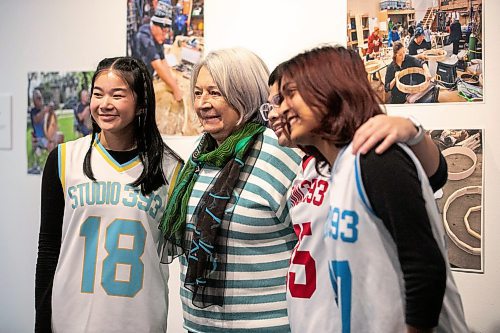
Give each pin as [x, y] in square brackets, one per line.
[395, 49]
[333, 82]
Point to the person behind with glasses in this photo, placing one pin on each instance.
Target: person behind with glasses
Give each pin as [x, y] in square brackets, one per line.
[380, 263]
[309, 204]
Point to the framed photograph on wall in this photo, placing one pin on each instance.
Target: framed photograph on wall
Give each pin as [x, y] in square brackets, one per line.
[57, 111]
[168, 36]
[420, 51]
[460, 201]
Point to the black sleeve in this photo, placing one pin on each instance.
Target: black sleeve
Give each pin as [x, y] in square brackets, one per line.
[412, 48]
[389, 76]
[411, 61]
[394, 191]
[439, 178]
[49, 242]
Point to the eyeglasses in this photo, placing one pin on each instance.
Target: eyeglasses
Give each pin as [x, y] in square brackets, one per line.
[265, 108]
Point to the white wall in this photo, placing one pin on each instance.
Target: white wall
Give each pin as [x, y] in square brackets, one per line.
[274, 29]
[75, 35]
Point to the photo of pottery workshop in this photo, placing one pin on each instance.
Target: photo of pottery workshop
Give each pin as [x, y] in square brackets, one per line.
[460, 201]
[420, 51]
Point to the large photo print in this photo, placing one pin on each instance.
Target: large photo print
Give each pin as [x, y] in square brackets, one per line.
[420, 51]
[461, 200]
[168, 36]
[58, 111]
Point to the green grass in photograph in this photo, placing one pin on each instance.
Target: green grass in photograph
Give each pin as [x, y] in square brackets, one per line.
[37, 158]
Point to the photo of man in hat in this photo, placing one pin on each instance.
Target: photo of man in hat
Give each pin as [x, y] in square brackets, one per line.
[149, 46]
[167, 35]
[417, 45]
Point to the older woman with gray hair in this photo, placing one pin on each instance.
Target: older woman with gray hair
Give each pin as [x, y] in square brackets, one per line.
[228, 212]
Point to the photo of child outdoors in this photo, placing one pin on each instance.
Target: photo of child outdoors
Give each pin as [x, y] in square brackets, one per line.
[58, 111]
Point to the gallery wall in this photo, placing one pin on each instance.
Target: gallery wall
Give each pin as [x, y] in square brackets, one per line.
[74, 35]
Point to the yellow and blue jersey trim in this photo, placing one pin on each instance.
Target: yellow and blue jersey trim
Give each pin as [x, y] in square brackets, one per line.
[111, 161]
[61, 163]
[173, 180]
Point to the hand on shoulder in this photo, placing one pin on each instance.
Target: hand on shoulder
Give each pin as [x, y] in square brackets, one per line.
[382, 131]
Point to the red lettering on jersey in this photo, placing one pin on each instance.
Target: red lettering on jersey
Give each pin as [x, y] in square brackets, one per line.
[309, 192]
[321, 187]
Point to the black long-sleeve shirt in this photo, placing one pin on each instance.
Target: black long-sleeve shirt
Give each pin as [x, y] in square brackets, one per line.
[415, 49]
[393, 188]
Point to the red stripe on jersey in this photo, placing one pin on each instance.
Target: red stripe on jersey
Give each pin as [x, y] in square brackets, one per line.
[305, 161]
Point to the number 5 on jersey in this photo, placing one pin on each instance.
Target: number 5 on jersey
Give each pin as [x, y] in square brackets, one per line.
[302, 258]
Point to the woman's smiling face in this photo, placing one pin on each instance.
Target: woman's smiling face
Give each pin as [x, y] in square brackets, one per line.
[113, 104]
[276, 122]
[218, 118]
[302, 121]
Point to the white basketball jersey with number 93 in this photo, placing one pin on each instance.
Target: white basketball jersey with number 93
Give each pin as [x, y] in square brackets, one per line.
[363, 264]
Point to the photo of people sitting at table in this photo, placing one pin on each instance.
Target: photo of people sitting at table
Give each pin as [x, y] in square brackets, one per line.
[419, 51]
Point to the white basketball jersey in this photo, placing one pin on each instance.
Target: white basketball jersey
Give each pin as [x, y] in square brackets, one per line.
[306, 292]
[109, 277]
[363, 265]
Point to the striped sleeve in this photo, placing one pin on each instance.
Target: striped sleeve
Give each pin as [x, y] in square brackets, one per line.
[282, 165]
[259, 244]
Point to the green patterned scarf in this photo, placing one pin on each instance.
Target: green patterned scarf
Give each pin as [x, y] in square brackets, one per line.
[207, 153]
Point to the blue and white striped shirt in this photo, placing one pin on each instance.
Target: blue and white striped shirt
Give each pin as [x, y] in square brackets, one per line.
[260, 241]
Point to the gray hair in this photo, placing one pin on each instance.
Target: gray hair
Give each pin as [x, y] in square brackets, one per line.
[241, 76]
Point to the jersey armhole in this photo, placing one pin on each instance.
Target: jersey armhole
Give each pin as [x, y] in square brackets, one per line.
[360, 187]
[61, 164]
[305, 161]
[173, 179]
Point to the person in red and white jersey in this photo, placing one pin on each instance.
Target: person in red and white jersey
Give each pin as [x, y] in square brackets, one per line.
[309, 208]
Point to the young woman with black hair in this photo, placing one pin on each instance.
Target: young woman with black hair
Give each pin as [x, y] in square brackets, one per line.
[103, 195]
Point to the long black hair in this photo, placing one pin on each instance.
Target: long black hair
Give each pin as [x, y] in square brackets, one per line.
[150, 146]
